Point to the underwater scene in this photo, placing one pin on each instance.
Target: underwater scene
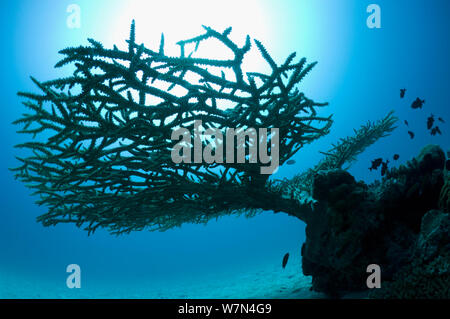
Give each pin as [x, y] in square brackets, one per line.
[255, 149]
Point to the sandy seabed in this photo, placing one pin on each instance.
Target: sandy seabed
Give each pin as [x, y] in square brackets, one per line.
[267, 281]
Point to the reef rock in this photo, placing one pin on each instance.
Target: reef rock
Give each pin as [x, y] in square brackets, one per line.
[336, 235]
[444, 198]
[428, 275]
[434, 235]
[393, 223]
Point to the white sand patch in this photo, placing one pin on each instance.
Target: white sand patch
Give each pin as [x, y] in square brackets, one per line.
[264, 281]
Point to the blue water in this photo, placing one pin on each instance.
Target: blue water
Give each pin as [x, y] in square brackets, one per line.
[360, 72]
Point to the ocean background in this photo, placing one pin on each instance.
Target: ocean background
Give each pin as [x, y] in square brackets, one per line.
[360, 73]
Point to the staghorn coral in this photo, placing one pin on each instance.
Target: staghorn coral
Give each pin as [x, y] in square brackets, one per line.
[103, 157]
[343, 152]
[104, 160]
[347, 149]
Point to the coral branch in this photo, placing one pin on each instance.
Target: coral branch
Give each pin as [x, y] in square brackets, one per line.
[341, 153]
[104, 159]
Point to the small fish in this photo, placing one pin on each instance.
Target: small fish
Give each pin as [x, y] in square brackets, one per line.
[290, 162]
[447, 165]
[406, 123]
[396, 157]
[417, 104]
[285, 260]
[411, 134]
[435, 131]
[376, 163]
[384, 167]
[430, 121]
[402, 93]
[440, 119]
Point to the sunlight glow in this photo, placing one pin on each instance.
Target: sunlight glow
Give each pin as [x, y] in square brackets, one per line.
[180, 20]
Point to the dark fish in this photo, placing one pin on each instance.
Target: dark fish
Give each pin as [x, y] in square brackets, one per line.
[430, 121]
[435, 131]
[406, 123]
[376, 163]
[290, 162]
[285, 260]
[447, 165]
[411, 134]
[402, 93]
[384, 167]
[441, 120]
[396, 157]
[417, 104]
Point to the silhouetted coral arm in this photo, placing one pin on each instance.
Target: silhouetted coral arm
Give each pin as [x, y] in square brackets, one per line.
[344, 152]
[103, 157]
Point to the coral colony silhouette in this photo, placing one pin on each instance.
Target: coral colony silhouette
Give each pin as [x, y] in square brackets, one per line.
[107, 160]
[104, 159]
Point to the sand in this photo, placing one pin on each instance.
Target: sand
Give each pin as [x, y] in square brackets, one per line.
[267, 281]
